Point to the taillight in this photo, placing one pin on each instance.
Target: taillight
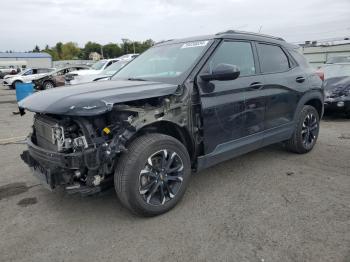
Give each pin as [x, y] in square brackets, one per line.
[320, 73]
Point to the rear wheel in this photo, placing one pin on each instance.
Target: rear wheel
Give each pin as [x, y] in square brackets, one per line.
[306, 133]
[152, 176]
[347, 114]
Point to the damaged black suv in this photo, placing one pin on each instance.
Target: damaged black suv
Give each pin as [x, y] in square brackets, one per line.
[181, 106]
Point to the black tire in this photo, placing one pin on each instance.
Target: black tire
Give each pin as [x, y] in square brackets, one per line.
[13, 86]
[48, 85]
[347, 114]
[131, 181]
[306, 133]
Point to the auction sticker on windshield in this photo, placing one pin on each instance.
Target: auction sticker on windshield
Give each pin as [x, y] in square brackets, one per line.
[195, 44]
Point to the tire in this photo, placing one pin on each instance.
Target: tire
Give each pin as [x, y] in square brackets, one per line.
[138, 173]
[48, 85]
[306, 133]
[13, 86]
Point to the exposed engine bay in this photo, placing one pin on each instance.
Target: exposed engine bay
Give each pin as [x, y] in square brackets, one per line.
[89, 146]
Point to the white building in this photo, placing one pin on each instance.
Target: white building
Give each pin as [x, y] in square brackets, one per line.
[318, 54]
[38, 60]
[95, 56]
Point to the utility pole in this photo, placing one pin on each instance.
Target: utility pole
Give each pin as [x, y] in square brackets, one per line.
[102, 52]
[125, 44]
[133, 43]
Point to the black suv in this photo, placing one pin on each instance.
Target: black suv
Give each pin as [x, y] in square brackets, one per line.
[181, 106]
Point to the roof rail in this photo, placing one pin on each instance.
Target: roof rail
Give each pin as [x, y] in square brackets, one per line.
[248, 33]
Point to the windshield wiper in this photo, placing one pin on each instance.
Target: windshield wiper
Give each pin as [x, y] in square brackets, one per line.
[136, 79]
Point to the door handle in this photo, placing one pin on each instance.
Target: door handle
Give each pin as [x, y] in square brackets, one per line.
[256, 85]
[300, 79]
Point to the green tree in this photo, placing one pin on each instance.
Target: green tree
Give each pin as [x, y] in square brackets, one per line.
[53, 53]
[36, 49]
[112, 50]
[91, 47]
[70, 51]
[58, 48]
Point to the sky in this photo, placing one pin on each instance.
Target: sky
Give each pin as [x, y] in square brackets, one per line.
[26, 23]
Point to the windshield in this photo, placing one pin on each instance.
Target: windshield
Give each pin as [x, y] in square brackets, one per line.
[98, 65]
[336, 70]
[112, 69]
[26, 72]
[164, 62]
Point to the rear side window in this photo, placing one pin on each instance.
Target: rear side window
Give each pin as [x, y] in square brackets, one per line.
[301, 60]
[234, 53]
[42, 70]
[272, 59]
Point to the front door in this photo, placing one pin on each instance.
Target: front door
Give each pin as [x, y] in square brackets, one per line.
[224, 103]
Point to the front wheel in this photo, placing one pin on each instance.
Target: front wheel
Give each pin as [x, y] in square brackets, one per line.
[48, 85]
[306, 133]
[152, 176]
[13, 86]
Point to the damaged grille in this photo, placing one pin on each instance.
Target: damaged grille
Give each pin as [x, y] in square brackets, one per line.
[62, 135]
[43, 132]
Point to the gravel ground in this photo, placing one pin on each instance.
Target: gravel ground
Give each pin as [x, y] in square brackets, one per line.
[268, 205]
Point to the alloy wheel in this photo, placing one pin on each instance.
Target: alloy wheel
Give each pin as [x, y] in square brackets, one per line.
[309, 130]
[49, 85]
[161, 177]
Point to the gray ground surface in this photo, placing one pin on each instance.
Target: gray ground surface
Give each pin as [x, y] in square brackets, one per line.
[268, 205]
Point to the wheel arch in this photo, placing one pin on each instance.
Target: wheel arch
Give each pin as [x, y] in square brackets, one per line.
[16, 81]
[171, 129]
[47, 81]
[314, 99]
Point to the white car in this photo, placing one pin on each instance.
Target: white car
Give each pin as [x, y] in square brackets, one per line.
[96, 68]
[100, 66]
[104, 75]
[128, 57]
[26, 76]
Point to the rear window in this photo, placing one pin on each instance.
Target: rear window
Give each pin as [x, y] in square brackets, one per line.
[272, 59]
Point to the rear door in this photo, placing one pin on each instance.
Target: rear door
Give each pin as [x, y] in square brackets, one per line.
[283, 80]
[59, 77]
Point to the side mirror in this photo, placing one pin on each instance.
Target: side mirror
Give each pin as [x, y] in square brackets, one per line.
[222, 72]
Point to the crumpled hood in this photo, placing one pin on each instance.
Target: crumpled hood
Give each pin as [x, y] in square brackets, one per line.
[337, 86]
[93, 98]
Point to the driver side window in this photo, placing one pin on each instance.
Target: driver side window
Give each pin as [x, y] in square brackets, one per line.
[235, 53]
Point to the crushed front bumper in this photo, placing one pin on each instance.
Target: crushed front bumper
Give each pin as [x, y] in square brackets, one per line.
[55, 169]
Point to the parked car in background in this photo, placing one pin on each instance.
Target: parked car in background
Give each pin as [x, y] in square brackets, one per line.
[128, 57]
[4, 71]
[336, 86]
[56, 78]
[96, 68]
[12, 67]
[26, 76]
[104, 75]
[183, 105]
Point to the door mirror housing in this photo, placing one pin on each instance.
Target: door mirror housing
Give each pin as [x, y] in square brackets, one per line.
[222, 72]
